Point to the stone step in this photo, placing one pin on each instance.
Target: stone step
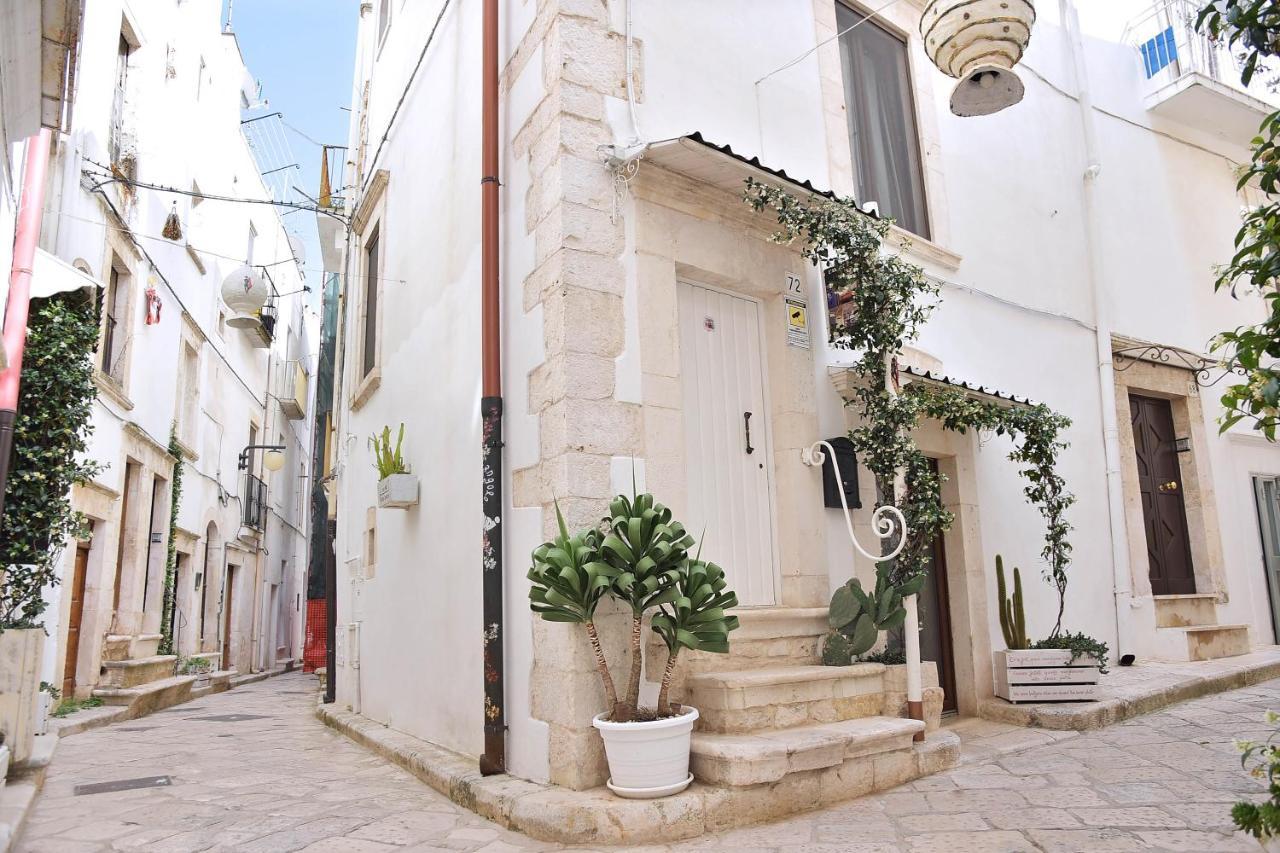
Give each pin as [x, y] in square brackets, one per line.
[134, 672]
[769, 756]
[149, 697]
[766, 637]
[737, 701]
[1183, 611]
[1209, 642]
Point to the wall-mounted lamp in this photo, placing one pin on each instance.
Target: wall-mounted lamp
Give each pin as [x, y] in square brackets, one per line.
[272, 459]
[1182, 445]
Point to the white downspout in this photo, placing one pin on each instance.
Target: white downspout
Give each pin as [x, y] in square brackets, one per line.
[1123, 587]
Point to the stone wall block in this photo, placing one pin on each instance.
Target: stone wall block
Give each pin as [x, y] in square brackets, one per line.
[577, 758]
[570, 374]
[586, 53]
[583, 321]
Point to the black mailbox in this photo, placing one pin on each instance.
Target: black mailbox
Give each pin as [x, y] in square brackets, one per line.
[848, 480]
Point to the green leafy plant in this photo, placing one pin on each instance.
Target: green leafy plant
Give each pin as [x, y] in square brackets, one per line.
[1262, 760]
[54, 693]
[194, 666]
[639, 557]
[69, 706]
[387, 459]
[887, 656]
[886, 301]
[1252, 28]
[858, 617]
[1080, 646]
[569, 579]
[646, 546]
[1013, 616]
[696, 619]
[49, 443]
[171, 556]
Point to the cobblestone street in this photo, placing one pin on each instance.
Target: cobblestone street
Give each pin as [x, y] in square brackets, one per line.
[252, 770]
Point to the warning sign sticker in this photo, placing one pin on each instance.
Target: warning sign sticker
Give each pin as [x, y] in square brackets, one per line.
[797, 323]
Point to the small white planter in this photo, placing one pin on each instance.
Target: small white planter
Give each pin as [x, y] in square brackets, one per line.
[648, 759]
[398, 491]
[4, 763]
[1044, 675]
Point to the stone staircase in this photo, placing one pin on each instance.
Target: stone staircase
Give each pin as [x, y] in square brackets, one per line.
[773, 719]
[135, 675]
[1187, 629]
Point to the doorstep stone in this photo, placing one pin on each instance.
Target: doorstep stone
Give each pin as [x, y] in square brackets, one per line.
[149, 697]
[1210, 642]
[1183, 611]
[135, 672]
[768, 756]
[781, 697]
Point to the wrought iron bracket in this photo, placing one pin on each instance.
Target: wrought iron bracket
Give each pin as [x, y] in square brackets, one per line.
[1203, 368]
[885, 521]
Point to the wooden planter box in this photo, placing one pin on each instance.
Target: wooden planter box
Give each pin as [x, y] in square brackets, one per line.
[1044, 675]
[398, 491]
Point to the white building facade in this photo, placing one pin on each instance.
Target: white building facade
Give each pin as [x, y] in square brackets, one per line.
[182, 382]
[1073, 237]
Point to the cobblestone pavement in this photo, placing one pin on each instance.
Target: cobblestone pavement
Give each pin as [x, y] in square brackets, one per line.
[252, 770]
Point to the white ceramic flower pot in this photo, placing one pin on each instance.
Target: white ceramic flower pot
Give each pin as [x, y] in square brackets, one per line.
[648, 759]
[398, 491]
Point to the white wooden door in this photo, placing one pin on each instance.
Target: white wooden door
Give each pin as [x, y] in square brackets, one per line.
[727, 456]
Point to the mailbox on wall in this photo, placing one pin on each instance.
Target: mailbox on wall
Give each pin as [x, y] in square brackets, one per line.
[848, 479]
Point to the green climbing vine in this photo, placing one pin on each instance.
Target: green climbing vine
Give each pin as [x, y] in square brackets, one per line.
[884, 300]
[171, 559]
[50, 437]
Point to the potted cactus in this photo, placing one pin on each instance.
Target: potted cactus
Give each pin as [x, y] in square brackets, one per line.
[1063, 667]
[640, 557]
[397, 488]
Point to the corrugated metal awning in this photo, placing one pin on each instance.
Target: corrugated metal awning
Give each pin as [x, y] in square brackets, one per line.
[720, 166]
[844, 379]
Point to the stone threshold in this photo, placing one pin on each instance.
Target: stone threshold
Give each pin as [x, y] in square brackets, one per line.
[556, 814]
[18, 793]
[1128, 692]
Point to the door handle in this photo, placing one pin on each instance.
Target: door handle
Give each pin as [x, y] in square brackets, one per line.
[746, 424]
[1171, 486]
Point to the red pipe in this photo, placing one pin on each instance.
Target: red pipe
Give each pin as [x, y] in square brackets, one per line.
[30, 212]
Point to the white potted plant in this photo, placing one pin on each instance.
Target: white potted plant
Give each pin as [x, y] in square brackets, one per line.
[640, 557]
[1062, 667]
[397, 488]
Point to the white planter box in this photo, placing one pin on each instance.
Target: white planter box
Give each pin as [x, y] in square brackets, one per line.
[20, 653]
[1044, 675]
[650, 759]
[4, 763]
[398, 491]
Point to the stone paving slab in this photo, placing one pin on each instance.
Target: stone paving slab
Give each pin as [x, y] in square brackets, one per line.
[1129, 691]
[285, 782]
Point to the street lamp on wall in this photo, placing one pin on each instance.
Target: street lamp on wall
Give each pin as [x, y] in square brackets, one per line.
[272, 458]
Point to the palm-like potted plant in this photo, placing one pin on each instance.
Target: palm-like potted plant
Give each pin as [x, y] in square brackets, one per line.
[639, 556]
[397, 488]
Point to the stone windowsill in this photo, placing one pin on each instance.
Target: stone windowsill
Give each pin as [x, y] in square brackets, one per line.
[112, 389]
[366, 388]
[924, 251]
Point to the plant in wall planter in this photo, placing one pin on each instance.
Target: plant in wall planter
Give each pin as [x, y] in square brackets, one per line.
[1061, 667]
[397, 488]
[640, 557]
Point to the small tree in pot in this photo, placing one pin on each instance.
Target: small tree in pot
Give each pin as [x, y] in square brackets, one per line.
[640, 557]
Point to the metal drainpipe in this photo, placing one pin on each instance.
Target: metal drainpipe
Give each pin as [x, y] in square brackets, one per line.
[494, 759]
[30, 212]
[1123, 591]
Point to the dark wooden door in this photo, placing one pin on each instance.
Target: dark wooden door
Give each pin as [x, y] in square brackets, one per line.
[74, 620]
[1163, 511]
[935, 620]
[227, 598]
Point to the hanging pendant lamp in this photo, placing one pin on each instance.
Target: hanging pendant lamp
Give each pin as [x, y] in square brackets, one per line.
[978, 42]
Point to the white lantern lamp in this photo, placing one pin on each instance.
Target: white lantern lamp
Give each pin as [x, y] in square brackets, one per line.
[272, 456]
[244, 292]
[978, 42]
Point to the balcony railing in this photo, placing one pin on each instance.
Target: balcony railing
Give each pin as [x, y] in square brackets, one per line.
[1194, 79]
[255, 502]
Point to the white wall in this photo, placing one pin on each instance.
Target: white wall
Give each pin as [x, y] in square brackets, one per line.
[181, 139]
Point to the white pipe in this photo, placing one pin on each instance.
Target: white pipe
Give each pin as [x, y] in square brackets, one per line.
[631, 80]
[1122, 590]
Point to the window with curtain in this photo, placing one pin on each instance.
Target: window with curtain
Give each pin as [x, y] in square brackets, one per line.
[882, 120]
